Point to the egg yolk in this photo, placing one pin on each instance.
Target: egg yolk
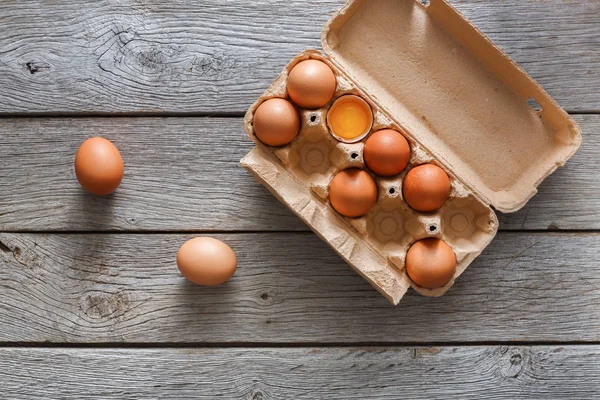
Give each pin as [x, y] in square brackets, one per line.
[350, 118]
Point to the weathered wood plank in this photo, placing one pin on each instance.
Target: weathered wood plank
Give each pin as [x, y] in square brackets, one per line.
[289, 288]
[570, 198]
[183, 174]
[154, 56]
[507, 372]
[180, 174]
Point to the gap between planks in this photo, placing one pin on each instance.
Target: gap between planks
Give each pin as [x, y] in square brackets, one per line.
[283, 345]
[573, 232]
[237, 114]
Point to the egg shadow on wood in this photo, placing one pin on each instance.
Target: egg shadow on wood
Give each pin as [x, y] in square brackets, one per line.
[94, 213]
[203, 300]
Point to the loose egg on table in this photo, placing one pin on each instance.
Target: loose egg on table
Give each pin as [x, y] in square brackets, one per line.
[426, 188]
[276, 122]
[206, 261]
[99, 167]
[311, 84]
[431, 263]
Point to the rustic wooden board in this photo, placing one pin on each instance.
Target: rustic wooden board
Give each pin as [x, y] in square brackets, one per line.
[156, 56]
[180, 174]
[507, 372]
[183, 174]
[290, 288]
[150, 57]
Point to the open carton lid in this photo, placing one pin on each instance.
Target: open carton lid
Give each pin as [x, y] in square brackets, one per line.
[456, 93]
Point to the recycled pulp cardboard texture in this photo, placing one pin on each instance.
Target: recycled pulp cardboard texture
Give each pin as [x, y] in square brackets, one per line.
[375, 246]
[318, 215]
[459, 95]
[368, 49]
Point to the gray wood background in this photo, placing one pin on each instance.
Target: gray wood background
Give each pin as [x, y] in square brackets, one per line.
[91, 302]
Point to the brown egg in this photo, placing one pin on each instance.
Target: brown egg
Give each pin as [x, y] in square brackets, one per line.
[353, 192]
[99, 166]
[431, 263]
[387, 152]
[311, 84]
[426, 188]
[276, 122]
[206, 261]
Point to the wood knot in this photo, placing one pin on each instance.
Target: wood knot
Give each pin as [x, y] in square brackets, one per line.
[34, 67]
[516, 366]
[153, 59]
[27, 258]
[219, 64]
[258, 396]
[516, 359]
[105, 305]
[266, 298]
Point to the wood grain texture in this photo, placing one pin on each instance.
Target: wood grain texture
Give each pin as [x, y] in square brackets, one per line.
[180, 174]
[188, 57]
[183, 174]
[508, 372]
[157, 56]
[289, 288]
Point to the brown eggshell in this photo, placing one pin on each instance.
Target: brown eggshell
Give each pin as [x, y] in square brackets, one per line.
[276, 122]
[98, 166]
[206, 261]
[387, 153]
[311, 84]
[353, 192]
[426, 188]
[431, 263]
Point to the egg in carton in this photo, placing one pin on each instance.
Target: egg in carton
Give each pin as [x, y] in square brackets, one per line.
[494, 147]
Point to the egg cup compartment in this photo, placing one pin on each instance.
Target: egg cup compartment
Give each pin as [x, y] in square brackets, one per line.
[391, 227]
[464, 222]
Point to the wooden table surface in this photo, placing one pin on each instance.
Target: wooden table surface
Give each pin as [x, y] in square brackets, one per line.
[92, 304]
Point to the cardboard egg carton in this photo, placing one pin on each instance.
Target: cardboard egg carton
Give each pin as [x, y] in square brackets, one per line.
[462, 105]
